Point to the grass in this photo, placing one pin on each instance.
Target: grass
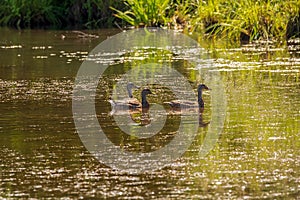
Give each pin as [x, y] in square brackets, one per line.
[244, 20]
[252, 20]
[237, 20]
[145, 13]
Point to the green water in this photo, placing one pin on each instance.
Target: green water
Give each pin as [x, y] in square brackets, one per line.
[256, 155]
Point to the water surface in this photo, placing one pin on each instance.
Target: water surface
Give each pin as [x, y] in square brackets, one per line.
[256, 156]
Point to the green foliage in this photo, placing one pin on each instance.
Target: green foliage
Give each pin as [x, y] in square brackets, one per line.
[181, 14]
[24, 13]
[145, 12]
[261, 19]
[237, 20]
[244, 19]
[89, 13]
[57, 14]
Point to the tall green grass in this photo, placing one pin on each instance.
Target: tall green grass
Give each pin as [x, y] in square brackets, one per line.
[234, 19]
[246, 19]
[145, 12]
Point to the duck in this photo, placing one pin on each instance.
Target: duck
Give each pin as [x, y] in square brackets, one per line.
[132, 103]
[130, 86]
[185, 104]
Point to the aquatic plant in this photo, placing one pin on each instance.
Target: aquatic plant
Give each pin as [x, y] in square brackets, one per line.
[261, 19]
[207, 14]
[145, 12]
[244, 20]
[238, 20]
[180, 14]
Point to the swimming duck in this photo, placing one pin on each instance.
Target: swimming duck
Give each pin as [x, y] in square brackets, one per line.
[132, 103]
[130, 86]
[182, 104]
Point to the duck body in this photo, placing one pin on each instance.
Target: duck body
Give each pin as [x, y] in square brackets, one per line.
[132, 103]
[185, 104]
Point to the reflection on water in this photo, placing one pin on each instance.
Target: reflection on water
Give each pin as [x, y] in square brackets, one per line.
[257, 154]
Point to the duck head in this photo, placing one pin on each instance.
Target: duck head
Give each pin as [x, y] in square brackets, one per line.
[146, 91]
[202, 87]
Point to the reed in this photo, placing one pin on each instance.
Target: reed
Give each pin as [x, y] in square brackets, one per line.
[244, 19]
[145, 13]
[234, 19]
[255, 20]
[180, 14]
[237, 20]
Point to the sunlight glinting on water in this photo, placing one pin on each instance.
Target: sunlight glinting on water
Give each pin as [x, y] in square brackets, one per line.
[256, 155]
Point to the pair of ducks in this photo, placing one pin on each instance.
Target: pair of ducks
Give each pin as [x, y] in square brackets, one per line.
[133, 103]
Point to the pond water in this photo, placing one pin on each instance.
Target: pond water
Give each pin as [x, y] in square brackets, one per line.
[256, 155]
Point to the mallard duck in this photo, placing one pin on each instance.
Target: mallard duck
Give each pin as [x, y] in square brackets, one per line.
[183, 104]
[132, 103]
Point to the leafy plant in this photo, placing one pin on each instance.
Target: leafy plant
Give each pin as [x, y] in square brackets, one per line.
[22, 13]
[145, 12]
[56, 13]
[244, 19]
[234, 19]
